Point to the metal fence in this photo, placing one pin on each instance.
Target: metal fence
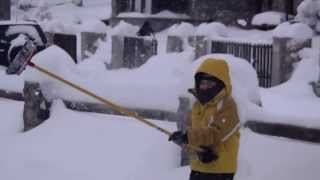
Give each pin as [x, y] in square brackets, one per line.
[259, 55]
[262, 62]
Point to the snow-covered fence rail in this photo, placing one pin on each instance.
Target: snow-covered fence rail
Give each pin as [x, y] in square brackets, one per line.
[11, 95]
[5, 9]
[131, 52]
[37, 108]
[285, 130]
[100, 108]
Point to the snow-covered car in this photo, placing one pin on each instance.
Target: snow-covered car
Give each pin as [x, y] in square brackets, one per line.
[13, 36]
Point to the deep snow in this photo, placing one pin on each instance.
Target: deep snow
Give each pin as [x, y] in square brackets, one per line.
[83, 146]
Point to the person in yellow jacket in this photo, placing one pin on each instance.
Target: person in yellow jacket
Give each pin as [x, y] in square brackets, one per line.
[214, 124]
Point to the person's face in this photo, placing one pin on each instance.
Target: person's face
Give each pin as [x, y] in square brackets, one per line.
[206, 84]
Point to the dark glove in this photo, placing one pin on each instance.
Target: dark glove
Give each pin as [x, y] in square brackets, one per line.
[179, 137]
[207, 155]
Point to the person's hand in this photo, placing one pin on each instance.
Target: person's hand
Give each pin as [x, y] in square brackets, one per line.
[179, 137]
[207, 155]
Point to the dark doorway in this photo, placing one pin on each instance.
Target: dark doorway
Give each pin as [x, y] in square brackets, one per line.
[177, 6]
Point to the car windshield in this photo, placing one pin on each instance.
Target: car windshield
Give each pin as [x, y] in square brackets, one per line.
[29, 30]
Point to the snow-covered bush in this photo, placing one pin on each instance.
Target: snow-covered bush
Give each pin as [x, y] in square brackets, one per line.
[308, 12]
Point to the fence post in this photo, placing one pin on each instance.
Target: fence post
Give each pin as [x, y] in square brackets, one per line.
[5, 10]
[183, 121]
[117, 52]
[36, 108]
[280, 59]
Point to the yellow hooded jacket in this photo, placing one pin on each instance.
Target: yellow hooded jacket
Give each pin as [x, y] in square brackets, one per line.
[216, 123]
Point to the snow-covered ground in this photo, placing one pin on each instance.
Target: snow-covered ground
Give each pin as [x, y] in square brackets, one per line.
[73, 145]
[85, 146]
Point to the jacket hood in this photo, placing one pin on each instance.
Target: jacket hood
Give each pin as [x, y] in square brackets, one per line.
[219, 69]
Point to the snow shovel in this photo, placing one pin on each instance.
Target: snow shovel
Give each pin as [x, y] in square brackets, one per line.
[23, 59]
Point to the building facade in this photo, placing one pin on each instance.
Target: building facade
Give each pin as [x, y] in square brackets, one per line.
[197, 11]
